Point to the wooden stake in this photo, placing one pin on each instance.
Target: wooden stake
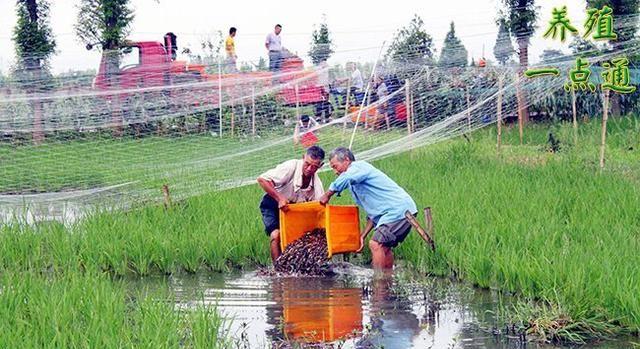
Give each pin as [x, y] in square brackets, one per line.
[413, 114]
[297, 104]
[366, 112]
[253, 110]
[38, 122]
[233, 120]
[520, 97]
[468, 109]
[220, 96]
[425, 236]
[346, 104]
[499, 117]
[167, 196]
[575, 117]
[429, 221]
[407, 100]
[605, 116]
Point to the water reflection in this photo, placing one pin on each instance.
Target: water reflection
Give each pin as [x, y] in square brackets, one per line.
[393, 324]
[318, 310]
[355, 309]
[66, 212]
[65, 207]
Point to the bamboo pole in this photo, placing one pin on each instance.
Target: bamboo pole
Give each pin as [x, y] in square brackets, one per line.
[468, 109]
[413, 114]
[233, 120]
[220, 96]
[520, 98]
[297, 103]
[166, 195]
[429, 221]
[423, 234]
[605, 116]
[346, 104]
[366, 112]
[499, 117]
[407, 100]
[38, 132]
[366, 93]
[253, 110]
[575, 116]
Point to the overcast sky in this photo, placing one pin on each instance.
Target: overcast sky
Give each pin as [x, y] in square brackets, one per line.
[358, 28]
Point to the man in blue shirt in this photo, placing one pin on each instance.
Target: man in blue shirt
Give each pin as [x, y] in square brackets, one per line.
[384, 201]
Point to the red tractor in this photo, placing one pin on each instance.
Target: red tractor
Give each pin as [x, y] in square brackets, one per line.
[152, 81]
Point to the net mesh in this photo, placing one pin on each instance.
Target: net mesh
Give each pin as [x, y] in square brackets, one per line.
[90, 141]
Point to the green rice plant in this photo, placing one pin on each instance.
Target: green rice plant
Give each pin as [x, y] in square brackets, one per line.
[546, 226]
[90, 310]
[549, 322]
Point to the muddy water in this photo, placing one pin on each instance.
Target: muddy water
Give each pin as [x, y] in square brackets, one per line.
[354, 309]
[30, 213]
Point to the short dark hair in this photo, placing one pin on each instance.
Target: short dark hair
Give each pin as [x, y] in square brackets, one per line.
[304, 118]
[342, 154]
[232, 30]
[278, 26]
[315, 152]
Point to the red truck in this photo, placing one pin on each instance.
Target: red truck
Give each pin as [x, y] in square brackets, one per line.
[149, 70]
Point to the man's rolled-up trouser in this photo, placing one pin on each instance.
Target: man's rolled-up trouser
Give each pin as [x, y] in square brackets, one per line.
[392, 234]
[270, 214]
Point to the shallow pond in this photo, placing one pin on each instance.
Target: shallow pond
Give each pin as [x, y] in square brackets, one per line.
[354, 309]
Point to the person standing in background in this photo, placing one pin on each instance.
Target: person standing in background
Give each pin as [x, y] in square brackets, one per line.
[273, 43]
[230, 47]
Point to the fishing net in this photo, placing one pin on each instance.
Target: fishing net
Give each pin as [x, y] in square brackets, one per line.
[116, 140]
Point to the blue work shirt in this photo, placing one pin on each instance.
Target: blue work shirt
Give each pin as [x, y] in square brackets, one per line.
[383, 200]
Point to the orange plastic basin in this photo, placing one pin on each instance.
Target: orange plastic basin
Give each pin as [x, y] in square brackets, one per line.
[322, 315]
[370, 113]
[341, 224]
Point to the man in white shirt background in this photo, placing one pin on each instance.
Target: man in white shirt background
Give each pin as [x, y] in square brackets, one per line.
[273, 43]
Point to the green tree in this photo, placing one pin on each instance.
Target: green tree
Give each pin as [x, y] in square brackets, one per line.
[321, 43]
[453, 54]
[34, 45]
[106, 24]
[520, 17]
[210, 54]
[411, 44]
[262, 65]
[246, 67]
[503, 49]
[337, 72]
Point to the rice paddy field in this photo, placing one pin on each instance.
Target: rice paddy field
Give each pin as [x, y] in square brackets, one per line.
[548, 227]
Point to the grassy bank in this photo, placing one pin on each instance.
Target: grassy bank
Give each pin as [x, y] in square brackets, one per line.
[547, 226]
